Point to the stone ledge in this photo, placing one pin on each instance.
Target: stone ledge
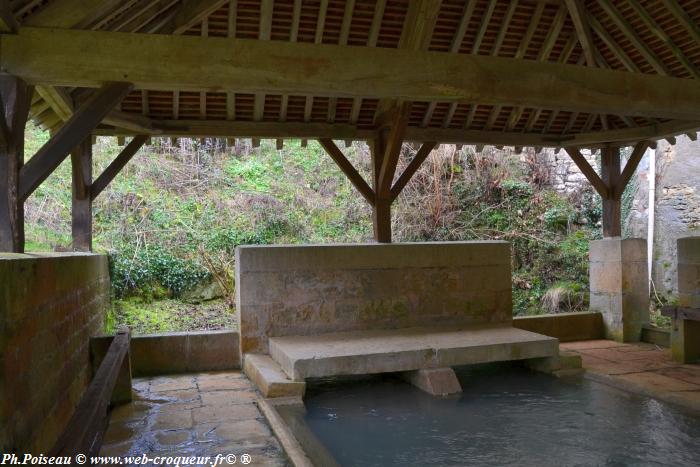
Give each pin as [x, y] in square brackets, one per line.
[177, 352]
[269, 378]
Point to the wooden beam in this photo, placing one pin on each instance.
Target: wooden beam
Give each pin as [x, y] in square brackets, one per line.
[8, 23]
[394, 141]
[91, 58]
[353, 175]
[70, 13]
[600, 186]
[192, 12]
[337, 131]
[631, 165]
[85, 429]
[132, 122]
[15, 99]
[412, 168]
[81, 211]
[58, 99]
[75, 130]
[612, 206]
[577, 11]
[117, 165]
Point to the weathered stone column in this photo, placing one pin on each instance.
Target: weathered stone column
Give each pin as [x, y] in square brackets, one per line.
[685, 337]
[619, 287]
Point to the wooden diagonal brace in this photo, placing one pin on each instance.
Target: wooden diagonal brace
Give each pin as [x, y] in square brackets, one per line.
[589, 172]
[117, 165]
[79, 127]
[392, 151]
[348, 169]
[411, 169]
[631, 165]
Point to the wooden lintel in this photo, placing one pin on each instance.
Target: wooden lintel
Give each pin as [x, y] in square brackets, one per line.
[91, 58]
[117, 165]
[75, 130]
[411, 168]
[346, 166]
[588, 172]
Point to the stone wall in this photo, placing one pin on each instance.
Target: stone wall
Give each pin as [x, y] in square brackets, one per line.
[303, 290]
[677, 208]
[50, 305]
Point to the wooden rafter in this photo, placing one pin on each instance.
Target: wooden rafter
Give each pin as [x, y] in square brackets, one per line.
[633, 37]
[658, 31]
[192, 12]
[579, 16]
[686, 21]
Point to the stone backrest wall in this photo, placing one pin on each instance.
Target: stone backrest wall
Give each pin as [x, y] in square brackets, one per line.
[50, 305]
[305, 290]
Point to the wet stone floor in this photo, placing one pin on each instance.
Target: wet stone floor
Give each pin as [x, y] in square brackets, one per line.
[202, 414]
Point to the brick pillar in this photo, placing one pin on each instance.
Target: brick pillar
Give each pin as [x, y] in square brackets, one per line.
[619, 286]
[685, 334]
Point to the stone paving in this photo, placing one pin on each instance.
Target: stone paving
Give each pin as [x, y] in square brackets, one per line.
[202, 414]
[640, 367]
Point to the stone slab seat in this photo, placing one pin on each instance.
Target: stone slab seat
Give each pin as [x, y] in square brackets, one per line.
[407, 349]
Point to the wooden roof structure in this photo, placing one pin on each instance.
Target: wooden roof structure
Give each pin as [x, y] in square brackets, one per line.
[557, 73]
[520, 73]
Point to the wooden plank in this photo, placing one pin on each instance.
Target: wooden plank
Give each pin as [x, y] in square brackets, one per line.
[80, 58]
[15, 100]
[132, 122]
[412, 168]
[631, 165]
[81, 210]
[117, 165]
[612, 207]
[577, 11]
[88, 423]
[353, 175]
[600, 186]
[80, 125]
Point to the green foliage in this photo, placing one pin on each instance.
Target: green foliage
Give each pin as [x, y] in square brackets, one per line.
[152, 272]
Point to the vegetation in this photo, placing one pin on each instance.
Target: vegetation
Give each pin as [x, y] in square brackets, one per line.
[172, 219]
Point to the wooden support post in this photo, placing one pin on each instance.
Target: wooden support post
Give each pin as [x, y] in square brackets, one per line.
[381, 212]
[15, 97]
[610, 174]
[81, 162]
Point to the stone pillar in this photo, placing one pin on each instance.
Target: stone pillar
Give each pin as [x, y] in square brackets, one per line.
[619, 286]
[685, 334]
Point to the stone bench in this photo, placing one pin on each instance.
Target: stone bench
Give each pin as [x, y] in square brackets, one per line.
[325, 310]
[398, 350]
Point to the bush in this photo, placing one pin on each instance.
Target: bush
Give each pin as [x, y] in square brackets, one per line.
[152, 272]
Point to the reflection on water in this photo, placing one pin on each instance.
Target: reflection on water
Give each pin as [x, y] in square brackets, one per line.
[506, 416]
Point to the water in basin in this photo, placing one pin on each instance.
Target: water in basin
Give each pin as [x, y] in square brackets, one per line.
[506, 415]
